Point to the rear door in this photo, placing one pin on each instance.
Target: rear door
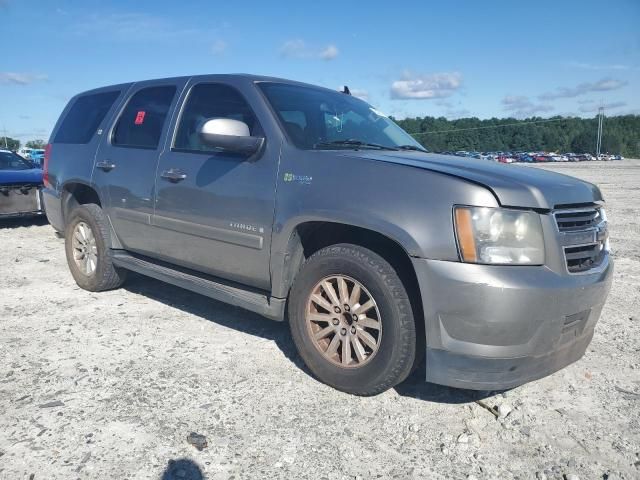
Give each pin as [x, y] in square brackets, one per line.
[126, 161]
[216, 215]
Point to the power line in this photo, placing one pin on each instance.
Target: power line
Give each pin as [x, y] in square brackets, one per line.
[493, 126]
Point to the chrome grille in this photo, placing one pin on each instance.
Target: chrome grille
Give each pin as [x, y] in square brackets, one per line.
[584, 237]
[576, 220]
[583, 258]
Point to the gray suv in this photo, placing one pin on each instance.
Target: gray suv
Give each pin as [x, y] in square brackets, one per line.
[299, 202]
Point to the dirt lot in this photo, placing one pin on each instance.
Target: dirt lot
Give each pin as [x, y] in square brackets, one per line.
[110, 385]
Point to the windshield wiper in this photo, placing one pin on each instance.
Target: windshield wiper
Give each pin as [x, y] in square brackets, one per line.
[412, 147]
[355, 144]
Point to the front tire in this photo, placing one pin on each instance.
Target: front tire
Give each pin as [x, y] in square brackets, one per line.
[351, 320]
[87, 246]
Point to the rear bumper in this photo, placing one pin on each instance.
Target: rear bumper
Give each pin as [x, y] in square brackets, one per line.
[16, 202]
[53, 208]
[496, 327]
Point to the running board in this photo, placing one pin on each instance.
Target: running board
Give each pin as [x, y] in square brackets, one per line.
[270, 307]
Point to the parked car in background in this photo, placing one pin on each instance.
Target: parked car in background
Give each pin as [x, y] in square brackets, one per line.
[524, 157]
[20, 186]
[37, 157]
[504, 158]
[558, 158]
[25, 152]
[532, 157]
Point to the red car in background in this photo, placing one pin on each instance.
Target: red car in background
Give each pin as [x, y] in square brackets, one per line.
[506, 159]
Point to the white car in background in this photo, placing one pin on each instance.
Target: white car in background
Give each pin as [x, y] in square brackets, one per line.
[25, 152]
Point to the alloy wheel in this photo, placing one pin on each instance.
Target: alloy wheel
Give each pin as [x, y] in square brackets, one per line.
[344, 321]
[85, 249]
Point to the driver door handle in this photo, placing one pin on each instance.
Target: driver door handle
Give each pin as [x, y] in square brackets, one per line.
[105, 166]
[173, 175]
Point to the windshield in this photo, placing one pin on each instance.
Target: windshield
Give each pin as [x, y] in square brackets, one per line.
[318, 119]
[11, 161]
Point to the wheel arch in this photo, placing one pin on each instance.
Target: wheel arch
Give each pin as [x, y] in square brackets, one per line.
[310, 236]
[77, 192]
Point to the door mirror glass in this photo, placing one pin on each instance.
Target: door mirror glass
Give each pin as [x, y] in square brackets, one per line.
[229, 134]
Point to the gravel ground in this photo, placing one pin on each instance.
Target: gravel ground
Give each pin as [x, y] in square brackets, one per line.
[111, 385]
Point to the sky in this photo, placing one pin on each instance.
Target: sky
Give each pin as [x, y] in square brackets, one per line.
[407, 58]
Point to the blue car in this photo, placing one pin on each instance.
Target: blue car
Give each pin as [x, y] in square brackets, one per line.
[20, 186]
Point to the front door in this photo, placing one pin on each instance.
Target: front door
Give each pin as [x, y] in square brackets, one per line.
[214, 209]
[126, 162]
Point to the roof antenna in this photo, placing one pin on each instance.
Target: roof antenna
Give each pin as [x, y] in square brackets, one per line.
[346, 90]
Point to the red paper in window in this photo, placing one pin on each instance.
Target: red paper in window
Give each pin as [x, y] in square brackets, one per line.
[140, 117]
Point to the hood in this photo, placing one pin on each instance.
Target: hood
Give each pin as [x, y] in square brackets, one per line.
[513, 185]
[10, 177]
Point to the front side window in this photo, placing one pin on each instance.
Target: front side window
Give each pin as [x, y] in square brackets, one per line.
[208, 101]
[84, 118]
[143, 119]
[316, 118]
[11, 161]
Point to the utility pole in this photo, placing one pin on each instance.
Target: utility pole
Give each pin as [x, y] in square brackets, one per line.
[599, 139]
[6, 145]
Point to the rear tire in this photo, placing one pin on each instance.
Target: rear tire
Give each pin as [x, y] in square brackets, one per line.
[87, 245]
[380, 332]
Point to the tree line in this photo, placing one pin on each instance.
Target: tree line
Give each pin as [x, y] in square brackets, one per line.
[621, 134]
[14, 144]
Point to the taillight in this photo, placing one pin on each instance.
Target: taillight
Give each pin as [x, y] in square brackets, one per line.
[45, 167]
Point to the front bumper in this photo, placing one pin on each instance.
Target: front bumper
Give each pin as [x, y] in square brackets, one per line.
[496, 327]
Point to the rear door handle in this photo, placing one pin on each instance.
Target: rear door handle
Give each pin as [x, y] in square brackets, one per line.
[105, 166]
[173, 175]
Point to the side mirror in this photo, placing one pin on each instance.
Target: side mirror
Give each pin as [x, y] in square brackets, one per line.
[231, 135]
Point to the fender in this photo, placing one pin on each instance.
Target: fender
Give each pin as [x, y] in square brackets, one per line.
[67, 198]
[69, 202]
[409, 206]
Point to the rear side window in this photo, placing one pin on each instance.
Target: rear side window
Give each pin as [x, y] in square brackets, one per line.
[208, 101]
[84, 117]
[142, 120]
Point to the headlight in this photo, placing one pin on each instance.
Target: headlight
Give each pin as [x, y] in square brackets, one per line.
[499, 236]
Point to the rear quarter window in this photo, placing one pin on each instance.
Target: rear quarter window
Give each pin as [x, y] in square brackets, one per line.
[84, 117]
